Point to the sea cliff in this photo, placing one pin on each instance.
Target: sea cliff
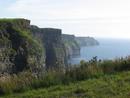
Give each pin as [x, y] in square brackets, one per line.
[28, 47]
[19, 50]
[87, 41]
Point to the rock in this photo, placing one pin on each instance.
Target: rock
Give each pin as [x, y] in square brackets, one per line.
[19, 49]
[71, 45]
[86, 41]
[28, 47]
[54, 47]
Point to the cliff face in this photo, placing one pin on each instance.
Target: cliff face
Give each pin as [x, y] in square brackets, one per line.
[26, 47]
[71, 45]
[86, 41]
[18, 49]
[54, 47]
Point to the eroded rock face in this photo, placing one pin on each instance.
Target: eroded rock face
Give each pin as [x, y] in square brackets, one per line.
[54, 47]
[25, 47]
[71, 45]
[18, 49]
[55, 54]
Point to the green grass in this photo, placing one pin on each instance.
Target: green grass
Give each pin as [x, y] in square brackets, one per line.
[25, 81]
[107, 86]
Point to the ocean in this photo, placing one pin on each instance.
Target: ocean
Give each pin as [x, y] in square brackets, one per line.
[108, 49]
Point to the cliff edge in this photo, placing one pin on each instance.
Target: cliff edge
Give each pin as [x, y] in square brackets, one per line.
[87, 41]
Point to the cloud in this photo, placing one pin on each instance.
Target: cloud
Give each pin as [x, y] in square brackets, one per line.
[109, 18]
[71, 8]
[47, 9]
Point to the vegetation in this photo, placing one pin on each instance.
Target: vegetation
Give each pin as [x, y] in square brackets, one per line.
[22, 49]
[94, 73]
[107, 86]
[95, 78]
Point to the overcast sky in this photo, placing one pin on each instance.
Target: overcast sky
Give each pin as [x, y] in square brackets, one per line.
[97, 18]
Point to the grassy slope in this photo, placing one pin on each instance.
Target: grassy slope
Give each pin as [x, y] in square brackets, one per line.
[108, 86]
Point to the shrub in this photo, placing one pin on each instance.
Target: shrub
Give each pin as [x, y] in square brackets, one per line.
[93, 69]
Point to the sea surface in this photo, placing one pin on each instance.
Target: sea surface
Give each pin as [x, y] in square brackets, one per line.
[108, 49]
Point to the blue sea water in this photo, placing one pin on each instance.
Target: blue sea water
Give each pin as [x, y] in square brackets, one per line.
[108, 49]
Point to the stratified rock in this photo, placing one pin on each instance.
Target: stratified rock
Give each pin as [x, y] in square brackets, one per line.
[18, 48]
[54, 47]
[71, 45]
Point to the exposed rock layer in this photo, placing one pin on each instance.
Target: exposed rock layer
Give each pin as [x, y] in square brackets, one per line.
[18, 49]
[71, 45]
[26, 47]
[54, 47]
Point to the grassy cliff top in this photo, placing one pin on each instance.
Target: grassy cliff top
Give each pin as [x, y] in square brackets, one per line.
[12, 19]
[15, 22]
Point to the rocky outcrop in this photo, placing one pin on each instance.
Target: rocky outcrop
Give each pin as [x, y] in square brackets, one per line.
[86, 41]
[71, 45]
[54, 47]
[26, 47]
[18, 48]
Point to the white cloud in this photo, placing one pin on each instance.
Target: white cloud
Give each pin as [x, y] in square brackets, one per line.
[102, 18]
[72, 8]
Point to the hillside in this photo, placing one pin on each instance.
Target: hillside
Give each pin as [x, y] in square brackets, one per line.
[107, 86]
[33, 64]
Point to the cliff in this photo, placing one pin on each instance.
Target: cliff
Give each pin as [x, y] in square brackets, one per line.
[86, 41]
[19, 50]
[54, 47]
[27, 47]
[71, 45]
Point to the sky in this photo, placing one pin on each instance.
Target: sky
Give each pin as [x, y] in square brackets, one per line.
[96, 18]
